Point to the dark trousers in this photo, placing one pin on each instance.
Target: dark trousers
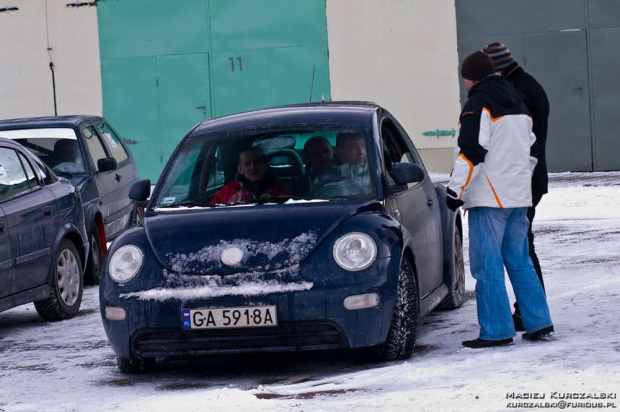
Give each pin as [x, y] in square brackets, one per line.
[531, 212]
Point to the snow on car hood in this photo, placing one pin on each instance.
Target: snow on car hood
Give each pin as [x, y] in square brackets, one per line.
[267, 238]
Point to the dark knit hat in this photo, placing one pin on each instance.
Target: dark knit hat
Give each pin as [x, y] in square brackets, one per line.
[477, 66]
[499, 53]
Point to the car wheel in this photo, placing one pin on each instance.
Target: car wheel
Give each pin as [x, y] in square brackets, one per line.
[95, 257]
[136, 364]
[402, 334]
[65, 285]
[457, 296]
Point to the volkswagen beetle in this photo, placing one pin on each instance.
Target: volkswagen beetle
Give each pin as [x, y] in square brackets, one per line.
[354, 259]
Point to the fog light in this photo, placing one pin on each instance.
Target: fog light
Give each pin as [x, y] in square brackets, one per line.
[113, 313]
[368, 300]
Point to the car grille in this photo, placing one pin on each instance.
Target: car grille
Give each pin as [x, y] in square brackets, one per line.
[304, 336]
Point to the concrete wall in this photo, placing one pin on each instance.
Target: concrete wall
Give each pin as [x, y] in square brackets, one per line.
[40, 32]
[401, 54]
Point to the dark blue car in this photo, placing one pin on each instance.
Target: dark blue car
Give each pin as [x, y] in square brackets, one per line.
[246, 246]
[43, 241]
[87, 151]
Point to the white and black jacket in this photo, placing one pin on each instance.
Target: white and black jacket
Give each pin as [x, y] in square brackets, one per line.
[496, 147]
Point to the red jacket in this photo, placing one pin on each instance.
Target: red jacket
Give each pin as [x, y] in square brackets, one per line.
[234, 192]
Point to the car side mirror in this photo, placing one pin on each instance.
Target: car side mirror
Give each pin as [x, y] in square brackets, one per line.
[404, 173]
[140, 190]
[106, 164]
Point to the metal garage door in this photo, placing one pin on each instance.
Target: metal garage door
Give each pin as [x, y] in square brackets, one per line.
[167, 65]
[570, 46]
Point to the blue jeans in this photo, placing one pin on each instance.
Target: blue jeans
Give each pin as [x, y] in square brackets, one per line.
[498, 239]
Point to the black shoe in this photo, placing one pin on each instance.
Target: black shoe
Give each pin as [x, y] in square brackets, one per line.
[540, 334]
[518, 321]
[483, 343]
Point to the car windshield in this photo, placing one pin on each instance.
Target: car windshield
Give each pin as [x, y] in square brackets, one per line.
[268, 166]
[58, 148]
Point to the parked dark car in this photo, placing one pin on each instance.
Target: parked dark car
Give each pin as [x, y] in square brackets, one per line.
[43, 241]
[351, 262]
[87, 151]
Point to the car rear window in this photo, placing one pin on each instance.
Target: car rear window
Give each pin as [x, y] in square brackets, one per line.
[58, 148]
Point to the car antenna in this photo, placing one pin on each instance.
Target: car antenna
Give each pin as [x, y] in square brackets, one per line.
[312, 84]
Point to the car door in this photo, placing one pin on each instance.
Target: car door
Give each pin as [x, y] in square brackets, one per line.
[119, 218]
[109, 183]
[418, 208]
[30, 213]
[6, 265]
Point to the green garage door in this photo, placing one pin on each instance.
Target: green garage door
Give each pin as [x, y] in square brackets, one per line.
[168, 65]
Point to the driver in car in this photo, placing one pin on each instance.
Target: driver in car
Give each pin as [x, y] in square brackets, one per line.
[255, 180]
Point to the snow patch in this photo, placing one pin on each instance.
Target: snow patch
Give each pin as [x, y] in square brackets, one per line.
[288, 252]
[245, 289]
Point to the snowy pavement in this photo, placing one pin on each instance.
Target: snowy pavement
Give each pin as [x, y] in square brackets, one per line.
[69, 366]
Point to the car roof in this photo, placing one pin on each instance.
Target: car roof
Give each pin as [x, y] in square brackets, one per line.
[354, 112]
[47, 121]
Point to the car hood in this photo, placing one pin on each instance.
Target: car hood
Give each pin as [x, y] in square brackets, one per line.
[253, 239]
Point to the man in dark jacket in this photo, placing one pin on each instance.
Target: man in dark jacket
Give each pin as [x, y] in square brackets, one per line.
[536, 100]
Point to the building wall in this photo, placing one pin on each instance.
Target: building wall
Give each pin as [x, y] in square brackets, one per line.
[401, 54]
[71, 36]
[398, 53]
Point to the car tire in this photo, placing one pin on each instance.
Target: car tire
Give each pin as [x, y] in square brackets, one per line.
[402, 333]
[95, 257]
[65, 285]
[135, 364]
[456, 297]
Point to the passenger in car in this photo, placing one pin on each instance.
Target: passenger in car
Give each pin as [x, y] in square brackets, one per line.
[354, 176]
[254, 180]
[319, 164]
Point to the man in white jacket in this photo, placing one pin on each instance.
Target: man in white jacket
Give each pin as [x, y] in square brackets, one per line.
[491, 179]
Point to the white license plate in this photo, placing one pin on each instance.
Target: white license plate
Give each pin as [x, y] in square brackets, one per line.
[237, 317]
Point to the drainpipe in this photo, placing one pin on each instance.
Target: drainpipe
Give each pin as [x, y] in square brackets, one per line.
[53, 86]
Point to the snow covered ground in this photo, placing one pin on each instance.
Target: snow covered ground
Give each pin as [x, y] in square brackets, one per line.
[69, 366]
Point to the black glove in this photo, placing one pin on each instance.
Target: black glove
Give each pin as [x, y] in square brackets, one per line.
[451, 200]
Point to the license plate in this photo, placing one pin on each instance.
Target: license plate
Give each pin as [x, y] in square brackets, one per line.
[237, 317]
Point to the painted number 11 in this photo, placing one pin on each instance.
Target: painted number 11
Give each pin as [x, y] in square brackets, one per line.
[232, 63]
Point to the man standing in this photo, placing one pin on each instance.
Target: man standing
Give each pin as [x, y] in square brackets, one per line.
[492, 180]
[536, 100]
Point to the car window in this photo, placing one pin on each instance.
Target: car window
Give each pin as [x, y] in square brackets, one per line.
[32, 178]
[58, 147]
[274, 165]
[95, 147]
[397, 146]
[13, 178]
[112, 142]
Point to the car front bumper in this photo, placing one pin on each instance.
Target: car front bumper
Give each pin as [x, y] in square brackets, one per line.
[307, 319]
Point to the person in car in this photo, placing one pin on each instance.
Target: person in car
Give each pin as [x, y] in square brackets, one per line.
[319, 164]
[255, 180]
[354, 176]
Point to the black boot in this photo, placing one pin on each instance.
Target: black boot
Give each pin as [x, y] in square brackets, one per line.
[540, 334]
[484, 343]
[518, 321]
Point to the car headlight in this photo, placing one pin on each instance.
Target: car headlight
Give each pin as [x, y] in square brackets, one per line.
[125, 263]
[355, 251]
